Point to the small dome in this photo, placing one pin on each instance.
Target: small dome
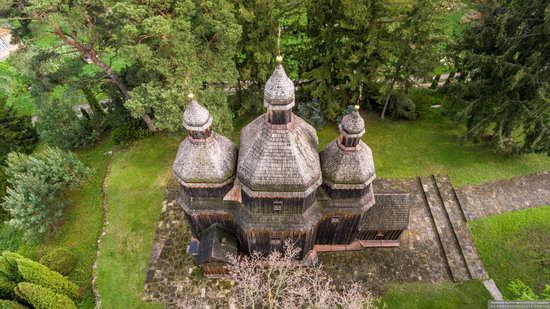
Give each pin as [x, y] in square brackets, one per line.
[279, 90]
[353, 124]
[196, 117]
[347, 169]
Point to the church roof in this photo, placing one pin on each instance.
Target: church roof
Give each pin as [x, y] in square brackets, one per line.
[279, 90]
[206, 163]
[389, 213]
[196, 117]
[216, 245]
[353, 124]
[347, 168]
[279, 160]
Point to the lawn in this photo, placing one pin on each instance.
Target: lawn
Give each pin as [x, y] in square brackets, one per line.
[515, 245]
[470, 295]
[136, 189]
[429, 145]
[81, 223]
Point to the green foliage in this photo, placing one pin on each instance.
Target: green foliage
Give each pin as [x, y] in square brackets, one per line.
[175, 48]
[6, 287]
[10, 304]
[58, 125]
[521, 291]
[311, 112]
[401, 106]
[16, 133]
[129, 132]
[61, 260]
[38, 184]
[39, 274]
[506, 57]
[43, 298]
[10, 238]
[8, 266]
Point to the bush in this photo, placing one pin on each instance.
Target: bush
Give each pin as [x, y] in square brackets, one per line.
[10, 304]
[3, 184]
[16, 133]
[61, 260]
[38, 184]
[42, 298]
[37, 273]
[6, 287]
[130, 131]
[401, 106]
[8, 266]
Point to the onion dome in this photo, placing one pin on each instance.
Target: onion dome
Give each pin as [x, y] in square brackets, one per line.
[276, 162]
[196, 117]
[353, 124]
[207, 161]
[347, 162]
[279, 89]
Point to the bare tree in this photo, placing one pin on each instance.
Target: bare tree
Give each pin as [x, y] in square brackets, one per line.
[276, 280]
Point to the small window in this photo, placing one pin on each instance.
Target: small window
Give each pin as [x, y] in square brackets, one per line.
[335, 220]
[276, 241]
[380, 234]
[277, 206]
[223, 240]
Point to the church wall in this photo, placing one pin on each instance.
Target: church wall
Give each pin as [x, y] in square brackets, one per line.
[346, 193]
[266, 241]
[208, 192]
[199, 223]
[337, 228]
[278, 205]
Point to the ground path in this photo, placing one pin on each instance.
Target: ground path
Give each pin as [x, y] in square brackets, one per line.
[105, 205]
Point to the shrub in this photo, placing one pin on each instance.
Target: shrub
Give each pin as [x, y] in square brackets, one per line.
[10, 238]
[61, 260]
[37, 273]
[16, 132]
[8, 267]
[3, 184]
[401, 106]
[6, 287]
[35, 197]
[131, 131]
[42, 298]
[10, 304]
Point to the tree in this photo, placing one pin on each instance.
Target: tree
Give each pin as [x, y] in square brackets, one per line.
[16, 132]
[78, 27]
[506, 56]
[412, 53]
[58, 124]
[38, 184]
[277, 281]
[175, 48]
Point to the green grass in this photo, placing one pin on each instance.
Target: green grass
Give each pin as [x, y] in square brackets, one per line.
[429, 145]
[470, 295]
[515, 245]
[136, 190]
[81, 223]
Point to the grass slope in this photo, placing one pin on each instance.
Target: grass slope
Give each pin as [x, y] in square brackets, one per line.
[470, 295]
[136, 189]
[81, 223]
[515, 245]
[429, 145]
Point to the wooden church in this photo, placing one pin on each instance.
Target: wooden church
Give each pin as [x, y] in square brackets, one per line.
[277, 186]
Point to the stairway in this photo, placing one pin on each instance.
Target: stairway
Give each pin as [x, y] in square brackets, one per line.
[445, 230]
[461, 230]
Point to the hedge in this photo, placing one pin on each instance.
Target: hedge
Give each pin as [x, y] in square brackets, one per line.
[10, 304]
[8, 270]
[37, 273]
[42, 298]
[6, 287]
[61, 260]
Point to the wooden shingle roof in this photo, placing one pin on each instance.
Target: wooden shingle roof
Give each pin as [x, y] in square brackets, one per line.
[389, 213]
[216, 245]
[347, 168]
[196, 117]
[206, 163]
[279, 158]
[279, 90]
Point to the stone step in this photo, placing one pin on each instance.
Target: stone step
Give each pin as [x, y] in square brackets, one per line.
[460, 228]
[444, 227]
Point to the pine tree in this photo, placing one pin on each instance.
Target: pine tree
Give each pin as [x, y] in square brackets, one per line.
[506, 57]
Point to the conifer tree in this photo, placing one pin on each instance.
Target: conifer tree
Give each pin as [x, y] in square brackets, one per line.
[506, 57]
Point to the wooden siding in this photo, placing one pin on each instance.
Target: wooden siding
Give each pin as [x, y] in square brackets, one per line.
[290, 205]
[379, 235]
[279, 117]
[330, 232]
[261, 241]
[208, 192]
[346, 193]
[201, 134]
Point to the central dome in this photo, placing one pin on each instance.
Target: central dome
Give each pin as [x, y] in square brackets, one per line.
[279, 159]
